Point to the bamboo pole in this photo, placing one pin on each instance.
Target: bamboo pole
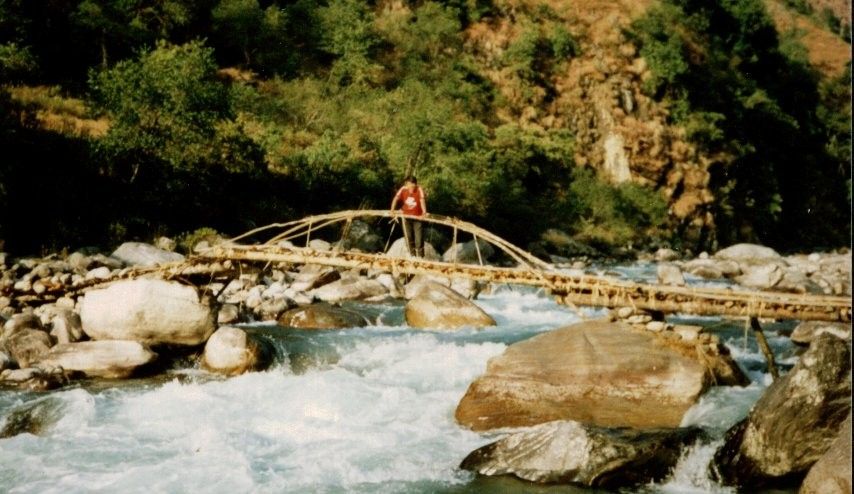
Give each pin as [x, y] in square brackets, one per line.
[571, 289]
[581, 291]
[764, 347]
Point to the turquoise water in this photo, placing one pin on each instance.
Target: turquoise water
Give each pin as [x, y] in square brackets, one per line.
[356, 410]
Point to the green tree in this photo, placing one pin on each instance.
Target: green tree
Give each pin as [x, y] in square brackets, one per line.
[168, 106]
[348, 34]
[127, 24]
[238, 23]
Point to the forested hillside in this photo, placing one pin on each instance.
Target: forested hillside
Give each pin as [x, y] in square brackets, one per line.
[630, 122]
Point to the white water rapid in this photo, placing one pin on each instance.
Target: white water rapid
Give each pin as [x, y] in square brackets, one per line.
[356, 410]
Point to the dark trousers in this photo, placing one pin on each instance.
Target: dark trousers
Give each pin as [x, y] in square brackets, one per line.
[412, 230]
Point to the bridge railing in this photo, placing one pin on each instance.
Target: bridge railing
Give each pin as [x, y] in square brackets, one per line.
[306, 227]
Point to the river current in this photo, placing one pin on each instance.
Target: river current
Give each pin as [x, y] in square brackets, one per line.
[354, 410]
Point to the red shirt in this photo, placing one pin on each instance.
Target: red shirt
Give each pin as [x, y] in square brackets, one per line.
[411, 200]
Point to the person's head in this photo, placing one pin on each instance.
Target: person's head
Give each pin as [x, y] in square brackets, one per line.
[410, 181]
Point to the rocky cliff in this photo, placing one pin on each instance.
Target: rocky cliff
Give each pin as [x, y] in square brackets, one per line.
[597, 94]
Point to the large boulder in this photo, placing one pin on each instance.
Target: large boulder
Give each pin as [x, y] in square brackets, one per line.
[399, 249]
[361, 236]
[438, 307]
[141, 254]
[570, 452]
[807, 331]
[148, 311]
[831, 474]
[33, 379]
[112, 359]
[704, 268]
[761, 276]
[349, 288]
[27, 346]
[749, 253]
[595, 372]
[232, 351]
[20, 322]
[794, 422]
[322, 316]
[670, 274]
[467, 288]
[35, 416]
[466, 252]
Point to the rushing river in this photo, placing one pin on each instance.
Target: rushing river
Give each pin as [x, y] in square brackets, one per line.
[355, 410]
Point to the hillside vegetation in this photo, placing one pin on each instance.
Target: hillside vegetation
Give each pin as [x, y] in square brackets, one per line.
[621, 123]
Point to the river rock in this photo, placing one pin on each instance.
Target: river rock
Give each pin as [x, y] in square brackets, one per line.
[438, 307]
[228, 314]
[20, 322]
[399, 249]
[101, 273]
[6, 361]
[389, 281]
[467, 288]
[66, 327]
[670, 274]
[313, 276]
[100, 260]
[27, 346]
[32, 379]
[665, 255]
[318, 244]
[794, 422]
[146, 255]
[361, 237]
[762, 276]
[232, 351]
[594, 372]
[807, 331]
[33, 417]
[349, 288]
[322, 316]
[565, 451]
[166, 243]
[749, 253]
[111, 359]
[149, 311]
[831, 474]
[466, 252]
[79, 261]
[270, 310]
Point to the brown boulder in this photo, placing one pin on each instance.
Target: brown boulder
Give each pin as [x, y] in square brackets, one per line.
[564, 451]
[322, 316]
[112, 359]
[232, 351]
[808, 331]
[438, 307]
[831, 474]
[793, 423]
[28, 345]
[594, 372]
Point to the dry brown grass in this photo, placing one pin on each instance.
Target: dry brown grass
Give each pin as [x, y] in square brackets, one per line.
[52, 111]
[827, 52]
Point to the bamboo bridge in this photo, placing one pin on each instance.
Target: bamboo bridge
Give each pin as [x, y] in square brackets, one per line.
[569, 289]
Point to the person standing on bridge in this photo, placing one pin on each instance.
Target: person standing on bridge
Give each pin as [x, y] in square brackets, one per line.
[413, 204]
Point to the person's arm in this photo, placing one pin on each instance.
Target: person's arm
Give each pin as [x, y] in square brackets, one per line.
[423, 201]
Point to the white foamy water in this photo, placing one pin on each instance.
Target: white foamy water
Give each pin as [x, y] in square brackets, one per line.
[359, 410]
